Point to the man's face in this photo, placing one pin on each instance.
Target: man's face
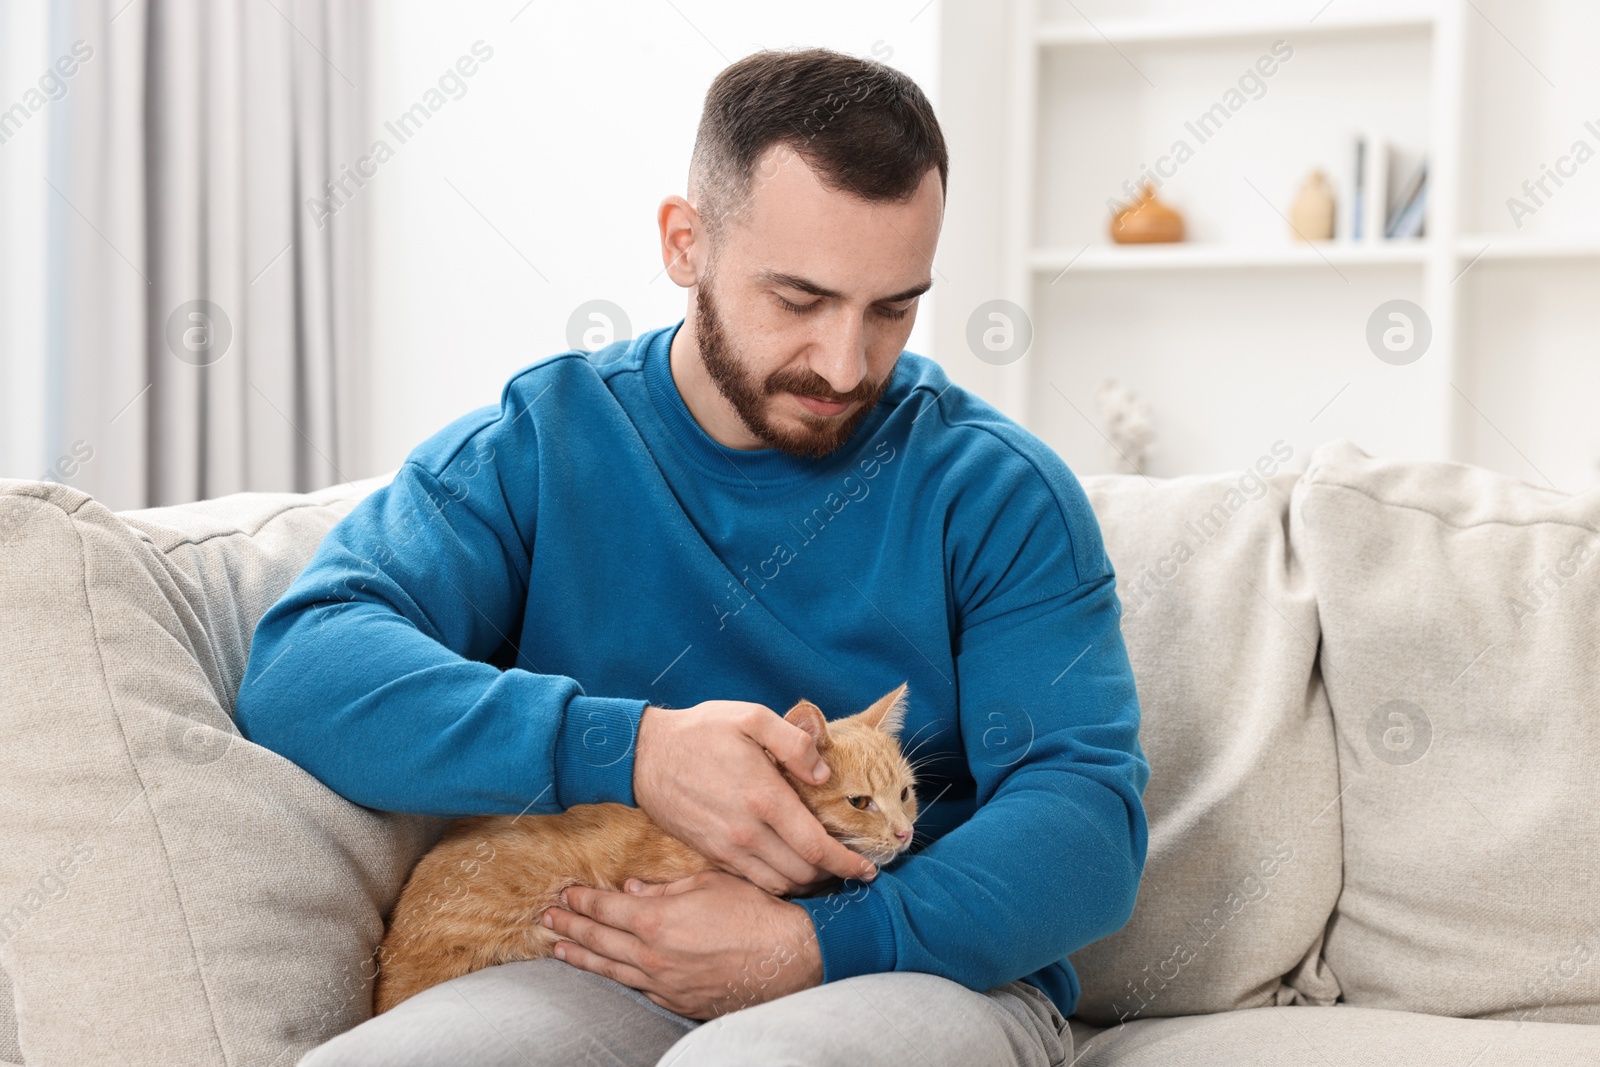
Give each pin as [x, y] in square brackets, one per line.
[808, 301]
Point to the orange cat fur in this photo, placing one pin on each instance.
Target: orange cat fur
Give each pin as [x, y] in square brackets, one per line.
[477, 897]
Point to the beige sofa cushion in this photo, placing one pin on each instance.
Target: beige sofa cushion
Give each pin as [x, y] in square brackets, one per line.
[1461, 650]
[1338, 1036]
[1243, 864]
[178, 894]
[10, 1049]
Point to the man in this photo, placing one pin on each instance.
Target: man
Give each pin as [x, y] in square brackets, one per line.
[602, 588]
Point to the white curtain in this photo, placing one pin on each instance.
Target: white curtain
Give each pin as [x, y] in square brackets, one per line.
[209, 285]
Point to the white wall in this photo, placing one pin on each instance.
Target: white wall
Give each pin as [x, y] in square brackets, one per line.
[537, 190]
[24, 405]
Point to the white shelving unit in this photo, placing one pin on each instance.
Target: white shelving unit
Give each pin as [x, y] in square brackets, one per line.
[1186, 30]
[1096, 95]
[1218, 256]
[1490, 247]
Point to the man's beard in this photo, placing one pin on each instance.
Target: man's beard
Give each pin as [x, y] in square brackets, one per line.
[750, 399]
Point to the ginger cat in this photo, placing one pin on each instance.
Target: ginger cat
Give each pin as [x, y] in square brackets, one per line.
[477, 898]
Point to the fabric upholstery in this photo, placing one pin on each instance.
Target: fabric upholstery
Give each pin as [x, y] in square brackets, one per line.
[1461, 637]
[1243, 868]
[1337, 1036]
[172, 893]
[10, 1050]
[177, 894]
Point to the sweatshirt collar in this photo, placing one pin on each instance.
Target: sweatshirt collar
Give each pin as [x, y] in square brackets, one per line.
[759, 467]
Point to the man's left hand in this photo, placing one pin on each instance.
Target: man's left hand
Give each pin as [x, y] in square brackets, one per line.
[701, 946]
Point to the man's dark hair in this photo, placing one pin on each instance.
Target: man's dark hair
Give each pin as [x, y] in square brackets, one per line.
[863, 127]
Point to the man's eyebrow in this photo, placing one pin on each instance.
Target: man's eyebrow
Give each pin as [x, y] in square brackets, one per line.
[794, 281]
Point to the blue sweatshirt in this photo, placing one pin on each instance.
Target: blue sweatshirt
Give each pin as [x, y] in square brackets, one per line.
[481, 635]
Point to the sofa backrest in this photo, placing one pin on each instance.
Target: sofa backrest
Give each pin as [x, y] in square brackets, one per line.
[1369, 696]
[1392, 666]
[1460, 617]
[1220, 620]
[163, 868]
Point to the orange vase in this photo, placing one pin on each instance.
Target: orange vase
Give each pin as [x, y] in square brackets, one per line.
[1148, 221]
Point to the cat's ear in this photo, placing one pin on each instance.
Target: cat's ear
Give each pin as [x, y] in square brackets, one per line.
[809, 718]
[888, 712]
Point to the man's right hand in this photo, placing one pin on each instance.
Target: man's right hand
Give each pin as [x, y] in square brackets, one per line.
[703, 775]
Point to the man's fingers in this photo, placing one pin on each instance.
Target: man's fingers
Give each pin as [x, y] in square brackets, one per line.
[597, 937]
[792, 746]
[638, 887]
[778, 854]
[608, 909]
[579, 956]
[809, 839]
[668, 889]
[753, 868]
[800, 834]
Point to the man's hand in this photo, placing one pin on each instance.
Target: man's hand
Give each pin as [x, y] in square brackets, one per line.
[701, 946]
[704, 776]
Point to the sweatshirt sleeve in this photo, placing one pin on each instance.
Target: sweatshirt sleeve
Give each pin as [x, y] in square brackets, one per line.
[374, 671]
[1051, 858]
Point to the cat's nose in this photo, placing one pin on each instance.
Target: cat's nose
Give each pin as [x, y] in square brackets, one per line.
[903, 835]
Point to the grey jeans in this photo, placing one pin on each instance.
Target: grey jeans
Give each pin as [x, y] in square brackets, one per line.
[544, 1013]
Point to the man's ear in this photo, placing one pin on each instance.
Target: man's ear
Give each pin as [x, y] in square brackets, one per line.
[679, 223]
[809, 718]
[888, 712]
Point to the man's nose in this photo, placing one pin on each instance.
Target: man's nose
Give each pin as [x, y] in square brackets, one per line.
[843, 363]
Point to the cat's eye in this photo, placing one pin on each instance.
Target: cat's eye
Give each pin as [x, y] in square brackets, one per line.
[905, 794]
[859, 803]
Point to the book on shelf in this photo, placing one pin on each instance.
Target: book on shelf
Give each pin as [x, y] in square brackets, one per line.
[1375, 179]
[1354, 208]
[1378, 208]
[1408, 214]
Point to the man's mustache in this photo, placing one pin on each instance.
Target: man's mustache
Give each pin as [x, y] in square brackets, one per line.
[820, 389]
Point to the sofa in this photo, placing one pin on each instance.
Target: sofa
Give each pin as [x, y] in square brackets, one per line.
[1370, 694]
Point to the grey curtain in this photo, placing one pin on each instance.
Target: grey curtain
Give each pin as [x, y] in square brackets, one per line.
[209, 280]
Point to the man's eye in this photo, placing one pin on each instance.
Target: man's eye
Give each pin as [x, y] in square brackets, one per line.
[798, 309]
[859, 803]
[891, 313]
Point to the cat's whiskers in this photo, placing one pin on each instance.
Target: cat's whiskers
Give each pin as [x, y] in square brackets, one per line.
[935, 800]
[876, 851]
[913, 749]
[924, 726]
